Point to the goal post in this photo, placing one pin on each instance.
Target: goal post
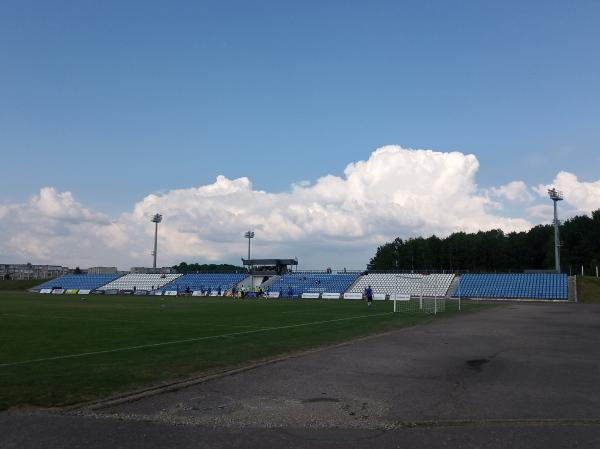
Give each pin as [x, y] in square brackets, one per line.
[403, 299]
[409, 302]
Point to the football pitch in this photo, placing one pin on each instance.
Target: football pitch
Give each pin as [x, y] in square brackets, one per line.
[59, 350]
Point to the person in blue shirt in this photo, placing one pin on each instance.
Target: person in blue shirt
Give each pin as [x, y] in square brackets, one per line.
[369, 295]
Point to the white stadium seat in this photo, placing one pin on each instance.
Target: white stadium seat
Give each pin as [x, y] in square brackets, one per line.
[411, 284]
[140, 281]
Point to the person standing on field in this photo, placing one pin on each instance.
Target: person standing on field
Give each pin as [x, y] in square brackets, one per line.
[369, 295]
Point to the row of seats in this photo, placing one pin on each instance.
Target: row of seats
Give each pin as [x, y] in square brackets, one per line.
[140, 281]
[204, 282]
[78, 281]
[294, 284]
[513, 286]
[408, 284]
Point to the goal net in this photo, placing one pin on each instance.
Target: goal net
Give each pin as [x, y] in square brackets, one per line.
[408, 304]
[408, 296]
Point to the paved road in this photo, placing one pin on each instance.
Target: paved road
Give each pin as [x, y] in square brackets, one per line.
[524, 375]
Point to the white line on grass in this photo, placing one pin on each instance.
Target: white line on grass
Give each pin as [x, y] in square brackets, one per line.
[64, 317]
[111, 320]
[187, 340]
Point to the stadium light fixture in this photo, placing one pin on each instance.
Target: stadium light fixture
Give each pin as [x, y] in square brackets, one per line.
[156, 219]
[556, 196]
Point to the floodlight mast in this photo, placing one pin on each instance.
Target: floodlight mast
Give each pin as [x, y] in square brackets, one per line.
[156, 219]
[250, 235]
[556, 196]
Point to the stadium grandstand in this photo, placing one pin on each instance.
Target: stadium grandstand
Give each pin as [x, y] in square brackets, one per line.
[299, 282]
[204, 282]
[533, 286]
[548, 286]
[408, 284]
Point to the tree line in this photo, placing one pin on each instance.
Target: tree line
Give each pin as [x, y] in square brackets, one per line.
[495, 251]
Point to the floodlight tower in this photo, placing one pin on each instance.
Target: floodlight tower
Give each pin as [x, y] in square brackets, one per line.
[556, 196]
[249, 235]
[156, 219]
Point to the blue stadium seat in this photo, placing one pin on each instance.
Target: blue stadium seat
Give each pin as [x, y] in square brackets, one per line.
[314, 282]
[551, 286]
[204, 281]
[79, 281]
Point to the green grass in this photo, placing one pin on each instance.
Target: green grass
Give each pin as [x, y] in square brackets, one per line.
[588, 290]
[20, 285]
[34, 326]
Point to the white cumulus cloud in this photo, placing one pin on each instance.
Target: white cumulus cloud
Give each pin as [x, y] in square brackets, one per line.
[582, 197]
[336, 221]
[515, 191]
[50, 227]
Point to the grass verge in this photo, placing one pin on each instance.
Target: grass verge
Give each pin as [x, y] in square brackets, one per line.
[20, 285]
[588, 290]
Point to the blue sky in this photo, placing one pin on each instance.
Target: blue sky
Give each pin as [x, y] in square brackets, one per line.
[287, 91]
[115, 100]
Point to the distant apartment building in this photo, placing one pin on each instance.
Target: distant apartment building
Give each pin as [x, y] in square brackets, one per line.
[102, 270]
[25, 271]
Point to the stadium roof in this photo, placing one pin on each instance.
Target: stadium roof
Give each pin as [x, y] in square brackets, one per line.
[270, 262]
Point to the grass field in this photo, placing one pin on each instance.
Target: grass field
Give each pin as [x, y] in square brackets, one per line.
[131, 342]
[588, 290]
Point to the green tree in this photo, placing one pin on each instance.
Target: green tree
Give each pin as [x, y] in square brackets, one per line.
[495, 251]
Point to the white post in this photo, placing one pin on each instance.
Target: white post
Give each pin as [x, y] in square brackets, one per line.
[459, 294]
[582, 271]
[435, 304]
[421, 294]
[395, 302]
[596, 270]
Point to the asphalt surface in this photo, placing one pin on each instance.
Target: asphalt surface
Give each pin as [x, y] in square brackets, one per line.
[520, 375]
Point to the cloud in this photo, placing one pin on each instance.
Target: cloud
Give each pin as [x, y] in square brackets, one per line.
[541, 212]
[336, 221]
[50, 227]
[582, 197]
[515, 191]
[62, 207]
